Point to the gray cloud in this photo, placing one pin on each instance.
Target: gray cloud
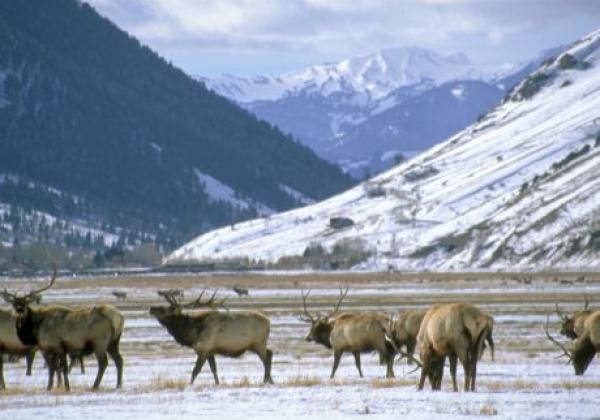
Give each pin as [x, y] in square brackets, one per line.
[269, 36]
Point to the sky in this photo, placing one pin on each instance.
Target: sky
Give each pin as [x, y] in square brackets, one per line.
[247, 37]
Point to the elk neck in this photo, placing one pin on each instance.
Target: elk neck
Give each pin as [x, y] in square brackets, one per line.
[184, 328]
[28, 325]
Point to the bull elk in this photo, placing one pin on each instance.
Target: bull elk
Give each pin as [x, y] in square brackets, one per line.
[213, 332]
[585, 346]
[456, 331]
[59, 331]
[354, 333]
[10, 344]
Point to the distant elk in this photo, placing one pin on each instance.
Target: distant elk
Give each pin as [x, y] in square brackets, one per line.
[456, 331]
[349, 332]
[213, 332]
[405, 329]
[240, 291]
[119, 295]
[59, 331]
[587, 340]
[11, 345]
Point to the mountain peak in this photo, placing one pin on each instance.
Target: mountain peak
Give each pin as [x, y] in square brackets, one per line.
[364, 77]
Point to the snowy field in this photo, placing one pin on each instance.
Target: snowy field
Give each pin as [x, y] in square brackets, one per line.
[525, 380]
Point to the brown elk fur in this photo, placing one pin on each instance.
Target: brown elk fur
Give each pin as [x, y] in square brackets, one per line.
[457, 331]
[213, 333]
[405, 329]
[10, 343]
[60, 331]
[585, 346]
[354, 333]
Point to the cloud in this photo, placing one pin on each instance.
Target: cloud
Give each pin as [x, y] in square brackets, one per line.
[500, 30]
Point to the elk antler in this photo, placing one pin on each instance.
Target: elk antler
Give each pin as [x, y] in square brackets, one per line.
[210, 303]
[559, 313]
[336, 307]
[563, 348]
[586, 301]
[170, 297]
[308, 317]
[43, 288]
[10, 297]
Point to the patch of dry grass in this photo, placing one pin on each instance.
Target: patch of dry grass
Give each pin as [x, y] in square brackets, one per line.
[391, 382]
[159, 383]
[488, 410]
[303, 381]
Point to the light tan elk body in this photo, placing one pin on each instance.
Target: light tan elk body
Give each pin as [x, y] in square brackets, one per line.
[212, 332]
[11, 345]
[456, 331]
[405, 329]
[585, 346]
[353, 333]
[59, 331]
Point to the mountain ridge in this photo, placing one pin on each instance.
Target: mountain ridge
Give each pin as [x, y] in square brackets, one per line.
[517, 189]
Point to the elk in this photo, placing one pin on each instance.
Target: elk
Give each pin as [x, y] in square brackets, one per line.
[585, 346]
[10, 343]
[354, 333]
[59, 331]
[241, 291]
[405, 329]
[572, 327]
[119, 295]
[456, 331]
[213, 332]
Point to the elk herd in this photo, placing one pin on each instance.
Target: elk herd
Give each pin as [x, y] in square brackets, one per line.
[459, 332]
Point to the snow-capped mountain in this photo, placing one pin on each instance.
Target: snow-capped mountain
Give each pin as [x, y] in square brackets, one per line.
[361, 80]
[331, 107]
[518, 188]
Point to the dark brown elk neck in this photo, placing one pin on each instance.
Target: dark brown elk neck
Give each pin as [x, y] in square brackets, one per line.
[28, 325]
[184, 328]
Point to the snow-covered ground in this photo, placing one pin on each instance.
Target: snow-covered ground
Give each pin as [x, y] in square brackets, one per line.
[519, 188]
[525, 380]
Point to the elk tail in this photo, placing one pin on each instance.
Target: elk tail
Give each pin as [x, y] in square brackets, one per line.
[479, 343]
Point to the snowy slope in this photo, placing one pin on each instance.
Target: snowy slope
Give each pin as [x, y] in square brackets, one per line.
[521, 187]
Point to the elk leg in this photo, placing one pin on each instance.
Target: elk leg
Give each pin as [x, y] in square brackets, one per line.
[337, 355]
[267, 361]
[410, 350]
[51, 369]
[197, 367]
[213, 368]
[81, 364]
[453, 363]
[473, 374]
[29, 359]
[357, 361]
[72, 363]
[115, 355]
[2, 384]
[102, 364]
[424, 373]
[64, 365]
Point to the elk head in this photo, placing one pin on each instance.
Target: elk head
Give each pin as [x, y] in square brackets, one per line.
[321, 324]
[174, 299]
[567, 327]
[21, 303]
